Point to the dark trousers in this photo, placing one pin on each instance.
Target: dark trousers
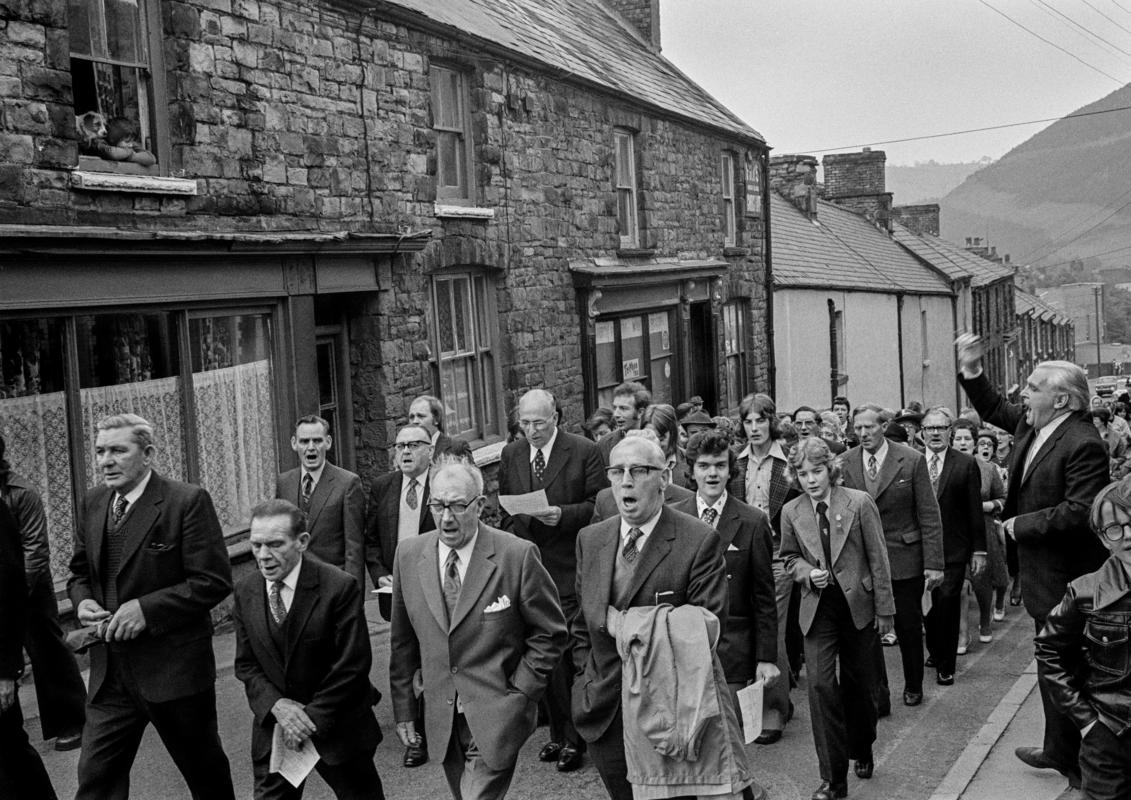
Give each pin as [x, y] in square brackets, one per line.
[59, 689]
[1062, 738]
[607, 752]
[115, 721]
[944, 619]
[22, 773]
[469, 777]
[844, 717]
[1105, 764]
[560, 687]
[909, 629]
[355, 779]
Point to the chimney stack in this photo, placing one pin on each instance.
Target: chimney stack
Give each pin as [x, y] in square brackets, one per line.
[794, 177]
[857, 182]
[643, 15]
[920, 219]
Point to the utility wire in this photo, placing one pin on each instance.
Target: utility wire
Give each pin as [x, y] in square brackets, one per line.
[1105, 16]
[1053, 44]
[1083, 219]
[1091, 33]
[1121, 8]
[1086, 230]
[968, 130]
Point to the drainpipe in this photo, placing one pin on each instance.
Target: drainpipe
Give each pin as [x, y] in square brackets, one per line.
[899, 340]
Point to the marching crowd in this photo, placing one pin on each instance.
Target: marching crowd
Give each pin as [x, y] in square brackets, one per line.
[639, 578]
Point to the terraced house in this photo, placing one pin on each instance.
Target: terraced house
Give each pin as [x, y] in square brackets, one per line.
[222, 214]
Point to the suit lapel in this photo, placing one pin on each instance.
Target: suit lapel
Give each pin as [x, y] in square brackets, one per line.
[428, 569]
[1046, 448]
[479, 570]
[809, 531]
[255, 600]
[854, 467]
[604, 561]
[523, 469]
[889, 470]
[321, 494]
[656, 549]
[425, 514]
[302, 606]
[944, 476]
[840, 523]
[392, 505]
[558, 457]
[142, 517]
[728, 523]
[96, 531]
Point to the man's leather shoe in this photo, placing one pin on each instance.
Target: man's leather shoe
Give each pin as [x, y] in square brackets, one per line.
[69, 741]
[830, 791]
[912, 698]
[415, 755]
[569, 759]
[767, 737]
[864, 768]
[945, 679]
[930, 662]
[1035, 757]
[550, 751]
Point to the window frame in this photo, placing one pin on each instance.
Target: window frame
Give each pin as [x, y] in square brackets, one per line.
[457, 195]
[729, 198]
[152, 68]
[626, 186]
[737, 310]
[646, 376]
[487, 415]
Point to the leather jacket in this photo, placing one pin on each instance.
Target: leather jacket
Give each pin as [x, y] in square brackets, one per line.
[1084, 651]
[27, 508]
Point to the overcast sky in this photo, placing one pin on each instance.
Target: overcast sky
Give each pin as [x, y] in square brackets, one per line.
[817, 74]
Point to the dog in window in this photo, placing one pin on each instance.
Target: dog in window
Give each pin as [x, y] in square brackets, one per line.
[113, 140]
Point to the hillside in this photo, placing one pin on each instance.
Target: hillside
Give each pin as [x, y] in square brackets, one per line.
[1056, 185]
[927, 181]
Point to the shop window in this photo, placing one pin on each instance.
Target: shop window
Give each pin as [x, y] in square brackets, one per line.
[234, 407]
[628, 214]
[33, 422]
[466, 374]
[453, 134]
[726, 178]
[636, 348]
[734, 335]
[116, 79]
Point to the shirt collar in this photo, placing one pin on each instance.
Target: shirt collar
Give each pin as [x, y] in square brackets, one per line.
[645, 529]
[464, 552]
[827, 500]
[718, 504]
[880, 454]
[1113, 583]
[942, 456]
[315, 474]
[290, 580]
[421, 481]
[546, 448]
[1047, 430]
[775, 451]
[134, 494]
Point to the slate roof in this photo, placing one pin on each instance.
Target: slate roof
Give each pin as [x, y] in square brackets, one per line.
[587, 40]
[843, 250]
[1025, 303]
[950, 259]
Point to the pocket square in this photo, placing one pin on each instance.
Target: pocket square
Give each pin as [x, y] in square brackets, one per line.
[731, 547]
[501, 604]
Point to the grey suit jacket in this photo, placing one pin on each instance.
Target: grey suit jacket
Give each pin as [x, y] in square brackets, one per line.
[336, 517]
[605, 506]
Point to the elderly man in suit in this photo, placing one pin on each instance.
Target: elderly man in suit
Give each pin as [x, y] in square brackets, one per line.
[762, 479]
[149, 565]
[22, 773]
[647, 554]
[477, 628]
[748, 648]
[605, 506]
[629, 401]
[896, 477]
[1057, 467]
[332, 498]
[398, 510]
[569, 469]
[958, 486]
[303, 654]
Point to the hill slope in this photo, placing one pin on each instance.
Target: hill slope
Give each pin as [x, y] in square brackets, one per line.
[927, 181]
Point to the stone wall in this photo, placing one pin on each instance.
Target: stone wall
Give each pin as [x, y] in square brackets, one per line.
[643, 14]
[919, 219]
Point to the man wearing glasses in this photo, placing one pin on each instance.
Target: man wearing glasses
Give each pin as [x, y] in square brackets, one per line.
[569, 469]
[646, 555]
[398, 510]
[476, 622]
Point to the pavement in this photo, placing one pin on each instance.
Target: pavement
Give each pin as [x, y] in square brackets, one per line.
[995, 713]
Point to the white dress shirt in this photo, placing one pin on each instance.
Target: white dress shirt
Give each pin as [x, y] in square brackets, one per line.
[408, 519]
[645, 531]
[546, 448]
[717, 505]
[315, 476]
[880, 455]
[464, 555]
[133, 495]
[287, 590]
[1043, 434]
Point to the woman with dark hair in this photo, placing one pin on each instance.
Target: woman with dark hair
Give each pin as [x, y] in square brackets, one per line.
[600, 424]
[832, 542]
[661, 418]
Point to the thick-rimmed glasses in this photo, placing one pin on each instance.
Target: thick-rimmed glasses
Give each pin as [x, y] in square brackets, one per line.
[1115, 531]
[458, 507]
[637, 471]
[414, 444]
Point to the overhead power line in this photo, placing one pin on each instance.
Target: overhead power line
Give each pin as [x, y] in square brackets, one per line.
[1105, 16]
[1031, 32]
[1089, 229]
[1086, 30]
[966, 131]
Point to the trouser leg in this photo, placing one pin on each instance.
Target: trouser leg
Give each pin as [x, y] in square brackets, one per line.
[775, 710]
[909, 628]
[59, 690]
[22, 773]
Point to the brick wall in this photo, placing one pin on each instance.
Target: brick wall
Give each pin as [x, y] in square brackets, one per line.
[919, 219]
[854, 174]
[644, 16]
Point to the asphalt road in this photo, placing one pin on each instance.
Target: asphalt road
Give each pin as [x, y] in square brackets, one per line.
[915, 748]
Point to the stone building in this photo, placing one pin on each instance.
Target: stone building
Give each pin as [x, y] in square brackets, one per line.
[270, 208]
[1044, 333]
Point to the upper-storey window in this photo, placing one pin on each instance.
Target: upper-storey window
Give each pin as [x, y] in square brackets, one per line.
[117, 81]
[730, 221]
[453, 134]
[628, 214]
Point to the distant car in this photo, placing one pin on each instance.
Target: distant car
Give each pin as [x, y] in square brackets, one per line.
[1105, 387]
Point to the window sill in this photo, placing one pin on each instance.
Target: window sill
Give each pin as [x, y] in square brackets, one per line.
[451, 211]
[636, 252]
[488, 453]
[733, 251]
[136, 184]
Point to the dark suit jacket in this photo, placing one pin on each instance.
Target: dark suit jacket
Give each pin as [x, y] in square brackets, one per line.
[960, 505]
[606, 445]
[175, 564]
[681, 556]
[908, 508]
[382, 521]
[573, 476]
[337, 516]
[1050, 504]
[860, 559]
[325, 665]
[751, 633]
[782, 489]
[606, 505]
[498, 662]
[13, 597]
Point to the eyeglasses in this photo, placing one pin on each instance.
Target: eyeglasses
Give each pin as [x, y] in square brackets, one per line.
[638, 472]
[936, 428]
[461, 507]
[1115, 531]
[536, 424]
[414, 444]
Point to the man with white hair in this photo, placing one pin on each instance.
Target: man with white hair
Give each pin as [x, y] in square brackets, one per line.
[1058, 465]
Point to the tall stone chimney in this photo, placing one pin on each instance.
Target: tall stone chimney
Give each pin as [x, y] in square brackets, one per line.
[919, 219]
[644, 15]
[857, 182]
[794, 177]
